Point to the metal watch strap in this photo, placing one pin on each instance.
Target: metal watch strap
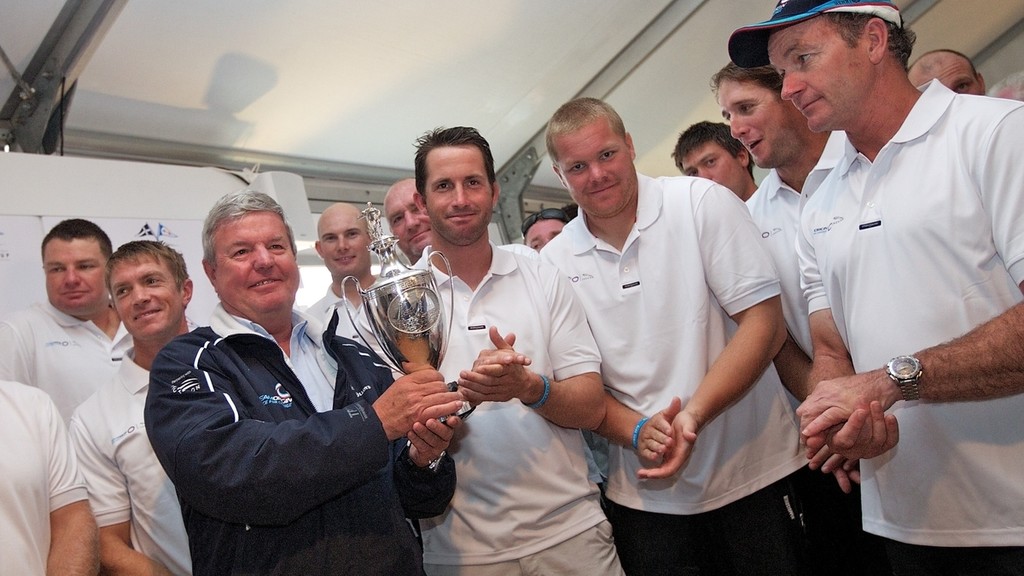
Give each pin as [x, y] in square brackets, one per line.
[909, 389]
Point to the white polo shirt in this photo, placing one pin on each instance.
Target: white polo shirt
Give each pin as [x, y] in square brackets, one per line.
[321, 308]
[65, 357]
[912, 250]
[775, 208]
[40, 475]
[125, 480]
[660, 310]
[523, 483]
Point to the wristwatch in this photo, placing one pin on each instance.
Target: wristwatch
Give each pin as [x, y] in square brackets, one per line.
[906, 371]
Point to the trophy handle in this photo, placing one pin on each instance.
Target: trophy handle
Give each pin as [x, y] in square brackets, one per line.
[451, 299]
[353, 314]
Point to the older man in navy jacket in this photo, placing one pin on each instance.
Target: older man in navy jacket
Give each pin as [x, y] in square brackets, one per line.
[293, 451]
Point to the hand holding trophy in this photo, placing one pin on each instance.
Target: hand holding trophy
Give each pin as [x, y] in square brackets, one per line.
[403, 308]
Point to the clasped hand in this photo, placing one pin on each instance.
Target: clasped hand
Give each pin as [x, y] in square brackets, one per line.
[847, 415]
[498, 375]
[666, 441]
[416, 398]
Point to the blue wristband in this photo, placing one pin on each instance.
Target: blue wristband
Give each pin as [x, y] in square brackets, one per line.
[636, 432]
[544, 396]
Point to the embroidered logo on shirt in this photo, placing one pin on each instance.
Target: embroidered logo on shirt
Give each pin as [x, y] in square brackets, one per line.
[824, 229]
[131, 430]
[577, 277]
[770, 233]
[63, 343]
[281, 398]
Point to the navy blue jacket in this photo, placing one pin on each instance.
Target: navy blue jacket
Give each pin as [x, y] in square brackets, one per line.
[267, 484]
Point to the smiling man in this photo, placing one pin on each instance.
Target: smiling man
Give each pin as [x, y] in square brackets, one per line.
[291, 449]
[72, 344]
[777, 136]
[409, 224]
[523, 353]
[684, 305]
[342, 243]
[136, 508]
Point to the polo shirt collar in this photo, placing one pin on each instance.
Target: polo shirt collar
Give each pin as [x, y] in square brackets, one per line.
[63, 319]
[503, 262]
[648, 206]
[134, 378]
[930, 107]
[226, 324]
[773, 184]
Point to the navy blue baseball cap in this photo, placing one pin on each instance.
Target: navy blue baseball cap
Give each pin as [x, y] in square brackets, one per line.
[748, 46]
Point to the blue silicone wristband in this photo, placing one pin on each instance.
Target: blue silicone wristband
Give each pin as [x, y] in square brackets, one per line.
[544, 396]
[636, 432]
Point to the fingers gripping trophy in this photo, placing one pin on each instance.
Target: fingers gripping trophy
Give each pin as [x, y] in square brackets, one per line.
[403, 307]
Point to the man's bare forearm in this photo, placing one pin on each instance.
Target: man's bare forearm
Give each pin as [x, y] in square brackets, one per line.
[74, 544]
[985, 363]
[794, 368]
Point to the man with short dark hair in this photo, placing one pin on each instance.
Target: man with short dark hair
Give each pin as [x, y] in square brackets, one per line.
[912, 258]
[72, 344]
[708, 150]
[953, 69]
[778, 138]
[523, 353]
[136, 508]
[292, 449]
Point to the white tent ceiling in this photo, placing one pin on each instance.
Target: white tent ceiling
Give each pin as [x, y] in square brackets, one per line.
[339, 90]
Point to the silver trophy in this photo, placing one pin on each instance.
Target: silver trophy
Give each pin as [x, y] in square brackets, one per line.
[403, 307]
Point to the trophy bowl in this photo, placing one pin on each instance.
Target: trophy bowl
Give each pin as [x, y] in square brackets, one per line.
[406, 318]
[404, 310]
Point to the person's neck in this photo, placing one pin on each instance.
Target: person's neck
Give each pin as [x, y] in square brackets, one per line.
[278, 325]
[106, 320]
[794, 174]
[615, 229]
[144, 351]
[470, 263]
[882, 118]
[751, 188]
[144, 354]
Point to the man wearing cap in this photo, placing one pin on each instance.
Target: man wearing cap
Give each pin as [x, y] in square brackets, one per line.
[912, 259]
[777, 136]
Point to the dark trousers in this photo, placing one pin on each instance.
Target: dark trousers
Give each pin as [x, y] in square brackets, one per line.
[913, 560]
[835, 543]
[759, 535]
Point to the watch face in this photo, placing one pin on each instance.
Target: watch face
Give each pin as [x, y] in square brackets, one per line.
[904, 367]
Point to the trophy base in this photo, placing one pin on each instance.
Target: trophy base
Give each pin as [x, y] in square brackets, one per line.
[463, 412]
